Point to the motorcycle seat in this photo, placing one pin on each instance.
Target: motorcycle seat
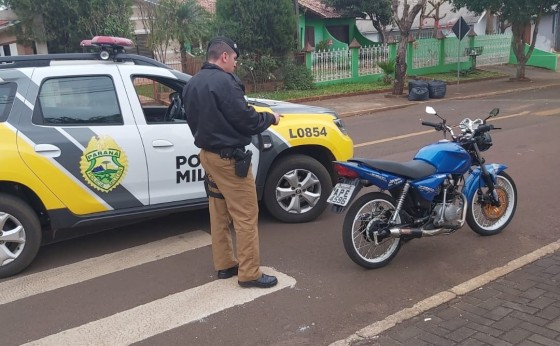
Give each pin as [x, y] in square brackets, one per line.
[414, 169]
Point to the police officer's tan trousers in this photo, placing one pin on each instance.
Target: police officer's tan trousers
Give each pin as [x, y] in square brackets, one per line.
[240, 202]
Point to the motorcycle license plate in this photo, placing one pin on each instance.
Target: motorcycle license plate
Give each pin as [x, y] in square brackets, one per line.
[341, 194]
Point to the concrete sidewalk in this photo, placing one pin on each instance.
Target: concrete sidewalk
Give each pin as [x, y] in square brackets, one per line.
[517, 304]
[347, 106]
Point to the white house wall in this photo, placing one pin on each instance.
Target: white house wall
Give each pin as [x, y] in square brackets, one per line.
[545, 38]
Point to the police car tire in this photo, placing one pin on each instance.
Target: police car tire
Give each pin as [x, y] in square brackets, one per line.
[285, 165]
[23, 213]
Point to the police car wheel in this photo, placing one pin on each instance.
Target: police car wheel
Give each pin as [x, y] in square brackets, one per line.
[20, 235]
[296, 189]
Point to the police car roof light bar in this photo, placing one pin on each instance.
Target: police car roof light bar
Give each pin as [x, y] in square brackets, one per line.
[109, 45]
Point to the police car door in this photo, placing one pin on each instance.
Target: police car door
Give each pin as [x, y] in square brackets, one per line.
[80, 138]
[175, 172]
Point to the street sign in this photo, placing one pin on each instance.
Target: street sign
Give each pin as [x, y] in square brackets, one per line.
[461, 28]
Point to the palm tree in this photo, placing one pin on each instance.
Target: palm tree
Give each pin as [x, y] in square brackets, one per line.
[193, 25]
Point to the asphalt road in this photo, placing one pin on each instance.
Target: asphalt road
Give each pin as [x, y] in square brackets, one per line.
[134, 285]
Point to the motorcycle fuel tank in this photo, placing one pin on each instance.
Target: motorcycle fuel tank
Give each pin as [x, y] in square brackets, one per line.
[446, 156]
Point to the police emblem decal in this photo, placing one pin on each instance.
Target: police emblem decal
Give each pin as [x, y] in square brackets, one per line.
[103, 164]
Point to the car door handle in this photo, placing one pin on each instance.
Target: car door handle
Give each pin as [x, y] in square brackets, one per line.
[48, 150]
[162, 143]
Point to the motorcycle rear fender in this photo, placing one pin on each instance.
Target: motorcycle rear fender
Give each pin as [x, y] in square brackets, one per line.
[474, 181]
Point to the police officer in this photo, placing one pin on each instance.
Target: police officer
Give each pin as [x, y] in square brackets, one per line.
[222, 124]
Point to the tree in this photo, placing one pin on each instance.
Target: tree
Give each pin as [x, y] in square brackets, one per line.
[404, 23]
[433, 13]
[520, 14]
[379, 12]
[57, 22]
[258, 26]
[184, 21]
[192, 26]
[109, 18]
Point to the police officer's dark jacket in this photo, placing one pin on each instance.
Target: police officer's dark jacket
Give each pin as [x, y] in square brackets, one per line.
[217, 112]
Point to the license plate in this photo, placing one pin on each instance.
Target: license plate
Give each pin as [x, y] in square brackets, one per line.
[341, 194]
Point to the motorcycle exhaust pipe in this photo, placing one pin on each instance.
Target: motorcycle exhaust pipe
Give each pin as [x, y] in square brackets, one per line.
[416, 232]
[408, 232]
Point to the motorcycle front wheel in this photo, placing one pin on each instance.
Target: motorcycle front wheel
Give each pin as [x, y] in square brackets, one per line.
[365, 233]
[487, 219]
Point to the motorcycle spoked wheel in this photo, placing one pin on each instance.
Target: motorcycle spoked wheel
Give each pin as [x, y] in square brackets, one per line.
[486, 219]
[370, 213]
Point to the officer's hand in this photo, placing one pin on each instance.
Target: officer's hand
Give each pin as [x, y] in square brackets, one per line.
[277, 118]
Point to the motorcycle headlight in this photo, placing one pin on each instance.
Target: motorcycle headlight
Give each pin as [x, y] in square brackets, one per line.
[484, 142]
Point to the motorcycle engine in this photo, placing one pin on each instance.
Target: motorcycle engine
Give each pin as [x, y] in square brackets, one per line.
[451, 213]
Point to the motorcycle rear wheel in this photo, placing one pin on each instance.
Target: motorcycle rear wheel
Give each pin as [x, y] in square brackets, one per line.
[486, 219]
[372, 210]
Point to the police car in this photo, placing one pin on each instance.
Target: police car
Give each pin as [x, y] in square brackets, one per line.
[93, 140]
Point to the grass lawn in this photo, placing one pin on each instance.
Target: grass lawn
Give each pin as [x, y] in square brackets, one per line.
[349, 88]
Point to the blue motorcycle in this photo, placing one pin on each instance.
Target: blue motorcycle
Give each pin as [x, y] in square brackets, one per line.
[446, 184]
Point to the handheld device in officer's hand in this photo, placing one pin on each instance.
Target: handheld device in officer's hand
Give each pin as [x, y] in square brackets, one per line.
[242, 162]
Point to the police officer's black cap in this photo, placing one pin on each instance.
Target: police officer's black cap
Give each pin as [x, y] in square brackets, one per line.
[225, 40]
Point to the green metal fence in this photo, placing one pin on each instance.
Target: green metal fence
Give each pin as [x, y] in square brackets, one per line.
[424, 56]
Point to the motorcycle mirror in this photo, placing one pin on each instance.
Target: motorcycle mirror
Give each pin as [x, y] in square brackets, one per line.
[430, 110]
[494, 112]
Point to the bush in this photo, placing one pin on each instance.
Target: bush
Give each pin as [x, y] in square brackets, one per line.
[388, 68]
[322, 46]
[297, 77]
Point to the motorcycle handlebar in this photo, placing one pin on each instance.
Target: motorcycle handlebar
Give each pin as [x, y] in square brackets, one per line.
[438, 127]
[484, 128]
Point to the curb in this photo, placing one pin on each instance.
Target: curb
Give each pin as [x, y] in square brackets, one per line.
[404, 105]
[373, 330]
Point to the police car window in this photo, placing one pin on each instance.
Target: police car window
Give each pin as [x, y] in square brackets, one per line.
[7, 93]
[160, 99]
[84, 100]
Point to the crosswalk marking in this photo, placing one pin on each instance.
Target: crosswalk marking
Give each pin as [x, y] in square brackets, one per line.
[164, 314]
[26, 286]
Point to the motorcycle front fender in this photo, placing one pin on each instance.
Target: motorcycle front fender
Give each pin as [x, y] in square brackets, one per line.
[474, 181]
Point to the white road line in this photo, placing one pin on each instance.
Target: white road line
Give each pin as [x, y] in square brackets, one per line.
[164, 314]
[48, 280]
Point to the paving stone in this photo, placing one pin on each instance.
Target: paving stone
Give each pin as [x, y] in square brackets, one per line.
[498, 313]
[549, 313]
[516, 336]
[555, 325]
[549, 333]
[490, 340]
[454, 323]
[533, 293]
[484, 293]
[529, 318]
[461, 334]
[542, 302]
[405, 334]
[484, 329]
[541, 340]
[507, 323]
[521, 307]
[434, 339]
[472, 342]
